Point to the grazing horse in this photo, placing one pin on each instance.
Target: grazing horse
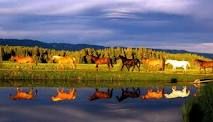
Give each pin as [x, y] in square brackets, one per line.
[24, 95]
[129, 63]
[62, 61]
[153, 94]
[204, 64]
[152, 63]
[98, 61]
[64, 95]
[135, 93]
[24, 60]
[176, 63]
[101, 94]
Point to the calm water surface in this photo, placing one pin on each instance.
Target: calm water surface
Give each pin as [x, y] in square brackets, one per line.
[42, 109]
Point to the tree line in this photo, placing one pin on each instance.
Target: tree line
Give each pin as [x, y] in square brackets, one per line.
[42, 55]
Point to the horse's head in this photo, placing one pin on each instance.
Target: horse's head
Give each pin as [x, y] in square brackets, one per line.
[167, 62]
[198, 61]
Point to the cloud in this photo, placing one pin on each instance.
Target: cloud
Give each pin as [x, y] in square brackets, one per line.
[149, 23]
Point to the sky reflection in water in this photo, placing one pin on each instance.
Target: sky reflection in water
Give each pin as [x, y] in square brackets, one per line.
[81, 109]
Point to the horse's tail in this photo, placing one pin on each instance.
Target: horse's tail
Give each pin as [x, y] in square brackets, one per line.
[188, 64]
[163, 64]
[111, 62]
[74, 62]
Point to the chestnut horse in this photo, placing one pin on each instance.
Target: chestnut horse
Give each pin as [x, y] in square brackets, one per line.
[24, 95]
[153, 94]
[98, 61]
[64, 95]
[126, 93]
[152, 63]
[129, 63]
[23, 60]
[101, 94]
[204, 64]
[62, 61]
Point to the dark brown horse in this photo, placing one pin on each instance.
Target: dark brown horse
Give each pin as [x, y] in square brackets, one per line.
[129, 63]
[98, 61]
[126, 93]
[204, 64]
[101, 95]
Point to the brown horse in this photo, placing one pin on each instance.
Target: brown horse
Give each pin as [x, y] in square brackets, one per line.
[98, 61]
[101, 94]
[22, 59]
[204, 64]
[152, 63]
[24, 95]
[126, 93]
[64, 95]
[129, 63]
[153, 94]
[63, 61]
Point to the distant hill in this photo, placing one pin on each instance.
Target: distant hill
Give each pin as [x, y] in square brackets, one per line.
[208, 55]
[66, 46]
[57, 46]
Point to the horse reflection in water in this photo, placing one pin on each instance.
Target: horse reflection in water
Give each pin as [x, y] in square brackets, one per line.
[153, 94]
[62, 95]
[24, 95]
[101, 94]
[178, 93]
[126, 93]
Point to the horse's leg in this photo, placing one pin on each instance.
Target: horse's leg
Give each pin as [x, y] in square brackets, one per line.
[174, 68]
[138, 66]
[133, 68]
[108, 66]
[122, 67]
[205, 70]
[96, 67]
[128, 67]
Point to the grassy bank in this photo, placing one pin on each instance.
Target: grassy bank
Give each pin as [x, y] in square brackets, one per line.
[87, 72]
[200, 108]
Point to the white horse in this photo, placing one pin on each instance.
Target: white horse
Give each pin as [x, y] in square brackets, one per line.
[176, 63]
[178, 93]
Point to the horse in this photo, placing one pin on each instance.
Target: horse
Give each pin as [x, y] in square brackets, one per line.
[151, 63]
[23, 95]
[101, 94]
[23, 60]
[153, 94]
[135, 93]
[64, 95]
[178, 93]
[62, 61]
[176, 63]
[129, 63]
[98, 61]
[204, 64]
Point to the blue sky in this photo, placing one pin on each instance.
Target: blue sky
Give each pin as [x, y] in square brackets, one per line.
[166, 24]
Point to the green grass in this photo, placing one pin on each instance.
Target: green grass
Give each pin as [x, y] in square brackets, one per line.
[103, 77]
[200, 108]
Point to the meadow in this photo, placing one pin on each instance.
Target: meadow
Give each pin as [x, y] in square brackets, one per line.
[86, 75]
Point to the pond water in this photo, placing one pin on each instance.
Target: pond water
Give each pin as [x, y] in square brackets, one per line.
[81, 109]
